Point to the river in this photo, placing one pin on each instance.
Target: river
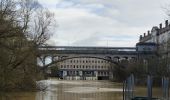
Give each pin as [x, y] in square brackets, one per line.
[76, 90]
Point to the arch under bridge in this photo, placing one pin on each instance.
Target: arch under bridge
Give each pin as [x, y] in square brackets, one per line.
[59, 54]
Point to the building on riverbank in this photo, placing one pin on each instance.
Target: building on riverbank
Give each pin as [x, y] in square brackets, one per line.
[159, 36]
[84, 69]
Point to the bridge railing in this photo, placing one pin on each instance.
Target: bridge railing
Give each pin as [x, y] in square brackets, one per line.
[87, 48]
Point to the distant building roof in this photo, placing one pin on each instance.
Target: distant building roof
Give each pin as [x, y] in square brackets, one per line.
[146, 43]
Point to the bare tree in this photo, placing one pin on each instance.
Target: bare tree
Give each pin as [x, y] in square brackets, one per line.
[24, 25]
[37, 22]
[43, 24]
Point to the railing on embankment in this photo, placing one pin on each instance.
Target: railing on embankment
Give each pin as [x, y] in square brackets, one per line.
[129, 88]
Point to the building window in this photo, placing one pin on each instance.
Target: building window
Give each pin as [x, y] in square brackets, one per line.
[70, 61]
[102, 67]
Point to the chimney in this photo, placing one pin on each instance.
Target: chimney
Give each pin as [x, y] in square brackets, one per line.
[140, 37]
[166, 23]
[160, 26]
[144, 34]
[148, 32]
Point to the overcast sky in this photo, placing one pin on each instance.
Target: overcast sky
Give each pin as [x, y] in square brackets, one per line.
[104, 22]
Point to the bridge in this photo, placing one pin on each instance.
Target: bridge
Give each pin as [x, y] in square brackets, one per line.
[61, 53]
[86, 61]
[101, 52]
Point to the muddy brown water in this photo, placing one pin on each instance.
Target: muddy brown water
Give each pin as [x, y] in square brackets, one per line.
[77, 90]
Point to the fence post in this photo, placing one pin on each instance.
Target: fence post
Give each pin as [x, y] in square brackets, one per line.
[168, 88]
[128, 88]
[124, 83]
[133, 84]
[128, 84]
[149, 87]
[165, 88]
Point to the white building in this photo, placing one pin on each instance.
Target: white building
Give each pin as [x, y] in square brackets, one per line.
[158, 35]
[84, 69]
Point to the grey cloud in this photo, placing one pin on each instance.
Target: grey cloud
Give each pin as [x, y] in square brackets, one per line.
[90, 41]
[132, 12]
[118, 21]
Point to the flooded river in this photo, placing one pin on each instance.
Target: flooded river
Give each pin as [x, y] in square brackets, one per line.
[76, 90]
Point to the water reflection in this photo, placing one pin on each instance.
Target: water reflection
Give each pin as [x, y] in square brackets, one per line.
[81, 90]
[48, 95]
[77, 90]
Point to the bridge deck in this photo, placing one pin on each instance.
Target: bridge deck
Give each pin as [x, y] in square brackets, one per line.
[89, 50]
[86, 48]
